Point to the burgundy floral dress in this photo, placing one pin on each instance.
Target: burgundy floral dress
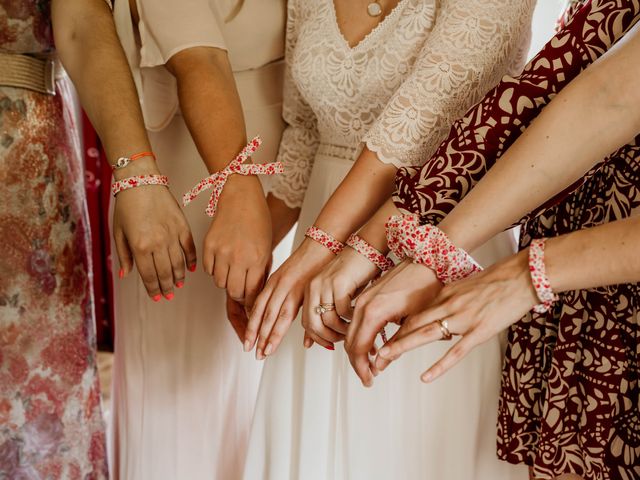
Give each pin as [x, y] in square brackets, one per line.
[50, 418]
[570, 399]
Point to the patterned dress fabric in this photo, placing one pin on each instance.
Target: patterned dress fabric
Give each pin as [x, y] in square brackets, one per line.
[570, 394]
[50, 418]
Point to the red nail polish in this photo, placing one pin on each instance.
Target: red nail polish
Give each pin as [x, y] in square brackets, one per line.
[192, 268]
[121, 273]
[330, 348]
[180, 284]
[157, 298]
[169, 296]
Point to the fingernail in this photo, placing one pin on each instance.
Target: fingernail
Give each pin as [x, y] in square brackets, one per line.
[307, 343]
[247, 345]
[259, 355]
[169, 296]
[156, 298]
[192, 268]
[331, 347]
[121, 273]
[384, 351]
[268, 350]
[179, 284]
[427, 377]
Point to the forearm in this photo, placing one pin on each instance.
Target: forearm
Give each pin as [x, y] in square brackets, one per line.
[365, 188]
[589, 119]
[90, 51]
[374, 232]
[604, 255]
[210, 104]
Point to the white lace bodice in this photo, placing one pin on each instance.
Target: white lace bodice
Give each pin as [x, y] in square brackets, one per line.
[400, 88]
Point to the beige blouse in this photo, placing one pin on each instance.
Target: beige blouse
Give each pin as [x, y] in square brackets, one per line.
[253, 35]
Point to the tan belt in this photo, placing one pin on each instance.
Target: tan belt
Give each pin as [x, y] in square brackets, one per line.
[24, 71]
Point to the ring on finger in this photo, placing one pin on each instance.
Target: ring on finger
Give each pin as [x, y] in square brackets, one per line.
[324, 308]
[444, 328]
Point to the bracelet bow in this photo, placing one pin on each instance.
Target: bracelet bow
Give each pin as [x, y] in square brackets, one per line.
[218, 180]
[430, 246]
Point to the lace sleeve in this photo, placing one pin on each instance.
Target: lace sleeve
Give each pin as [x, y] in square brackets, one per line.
[487, 130]
[472, 45]
[300, 138]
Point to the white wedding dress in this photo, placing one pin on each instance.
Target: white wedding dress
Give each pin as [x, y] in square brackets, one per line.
[397, 92]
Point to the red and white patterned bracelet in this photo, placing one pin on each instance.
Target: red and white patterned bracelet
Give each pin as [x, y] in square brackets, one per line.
[365, 249]
[237, 166]
[324, 239]
[139, 181]
[539, 277]
[429, 246]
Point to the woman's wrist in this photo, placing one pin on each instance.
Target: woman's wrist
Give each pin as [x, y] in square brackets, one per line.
[142, 166]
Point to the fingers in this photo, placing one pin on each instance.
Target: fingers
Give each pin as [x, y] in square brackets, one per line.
[277, 310]
[287, 314]
[456, 353]
[343, 305]
[125, 258]
[220, 273]
[404, 342]
[253, 283]
[189, 249]
[147, 271]
[257, 313]
[237, 317]
[177, 264]
[165, 273]
[235, 282]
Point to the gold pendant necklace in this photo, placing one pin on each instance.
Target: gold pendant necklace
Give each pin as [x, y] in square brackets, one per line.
[374, 9]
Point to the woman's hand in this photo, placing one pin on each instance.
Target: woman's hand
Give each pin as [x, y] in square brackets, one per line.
[277, 305]
[150, 228]
[405, 290]
[237, 247]
[237, 316]
[338, 284]
[477, 308]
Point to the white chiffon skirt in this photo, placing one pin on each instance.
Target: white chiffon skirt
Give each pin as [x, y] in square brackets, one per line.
[314, 419]
[183, 389]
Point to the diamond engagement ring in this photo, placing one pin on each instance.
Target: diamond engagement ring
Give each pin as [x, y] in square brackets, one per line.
[324, 308]
[444, 328]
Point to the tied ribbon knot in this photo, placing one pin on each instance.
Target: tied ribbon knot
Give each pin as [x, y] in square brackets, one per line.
[237, 166]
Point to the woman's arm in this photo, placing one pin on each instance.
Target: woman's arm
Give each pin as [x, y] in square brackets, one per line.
[596, 114]
[148, 224]
[461, 160]
[238, 244]
[448, 75]
[481, 306]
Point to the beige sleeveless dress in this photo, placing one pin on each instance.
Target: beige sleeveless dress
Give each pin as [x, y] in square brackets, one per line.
[184, 392]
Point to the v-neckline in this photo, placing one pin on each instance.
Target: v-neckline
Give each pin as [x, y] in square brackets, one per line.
[371, 33]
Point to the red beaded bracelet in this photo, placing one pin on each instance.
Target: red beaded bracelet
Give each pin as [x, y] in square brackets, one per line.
[124, 161]
[539, 277]
[237, 166]
[365, 249]
[324, 239]
[139, 181]
[429, 246]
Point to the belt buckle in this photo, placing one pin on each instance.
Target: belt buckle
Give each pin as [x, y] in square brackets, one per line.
[50, 76]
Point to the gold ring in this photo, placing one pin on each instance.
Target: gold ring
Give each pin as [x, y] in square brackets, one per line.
[324, 308]
[444, 328]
